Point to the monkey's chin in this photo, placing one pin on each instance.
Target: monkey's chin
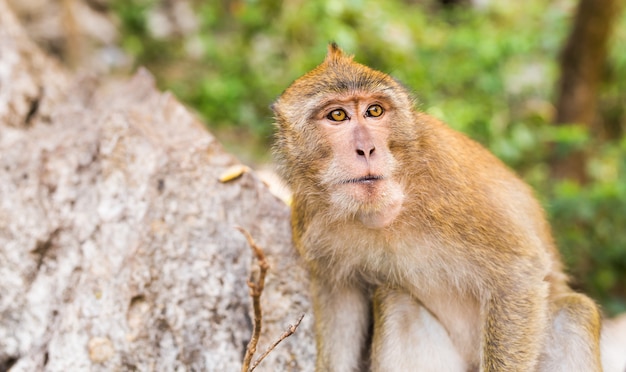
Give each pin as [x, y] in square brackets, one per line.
[375, 204]
[382, 218]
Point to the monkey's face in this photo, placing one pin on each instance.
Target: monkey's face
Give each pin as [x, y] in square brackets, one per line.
[359, 170]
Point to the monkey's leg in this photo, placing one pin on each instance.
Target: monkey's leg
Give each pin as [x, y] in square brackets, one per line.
[515, 326]
[407, 337]
[341, 324]
[574, 336]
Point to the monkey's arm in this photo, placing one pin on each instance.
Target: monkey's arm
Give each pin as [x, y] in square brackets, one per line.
[342, 319]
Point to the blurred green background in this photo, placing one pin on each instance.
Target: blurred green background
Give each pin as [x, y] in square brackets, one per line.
[487, 68]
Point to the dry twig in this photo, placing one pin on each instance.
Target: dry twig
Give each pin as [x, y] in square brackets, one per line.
[291, 330]
[255, 292]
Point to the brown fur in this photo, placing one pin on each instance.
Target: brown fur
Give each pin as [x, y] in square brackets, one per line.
[444, 223]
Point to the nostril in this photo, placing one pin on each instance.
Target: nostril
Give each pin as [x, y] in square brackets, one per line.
[360, 152]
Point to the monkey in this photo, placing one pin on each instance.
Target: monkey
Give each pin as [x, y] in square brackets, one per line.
[425, 251]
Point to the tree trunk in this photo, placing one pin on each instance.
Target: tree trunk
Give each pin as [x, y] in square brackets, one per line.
[582, 63]
[117, 242]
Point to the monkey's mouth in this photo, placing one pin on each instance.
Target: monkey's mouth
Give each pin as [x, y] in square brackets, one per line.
[366, 180]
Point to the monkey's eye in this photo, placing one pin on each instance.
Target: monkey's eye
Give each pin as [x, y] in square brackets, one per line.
[337, 115]
[374, 111]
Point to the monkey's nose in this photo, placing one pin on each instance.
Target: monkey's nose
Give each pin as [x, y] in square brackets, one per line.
[365, 153]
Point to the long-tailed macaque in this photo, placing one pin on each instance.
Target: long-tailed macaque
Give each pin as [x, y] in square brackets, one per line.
[392, 205]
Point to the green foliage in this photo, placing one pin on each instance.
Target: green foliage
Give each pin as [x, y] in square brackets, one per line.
[589, 225]
[487, 72]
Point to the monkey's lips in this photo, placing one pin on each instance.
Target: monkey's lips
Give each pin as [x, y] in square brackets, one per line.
[369, 179]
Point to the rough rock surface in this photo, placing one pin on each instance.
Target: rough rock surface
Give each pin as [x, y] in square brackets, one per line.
[117, 242]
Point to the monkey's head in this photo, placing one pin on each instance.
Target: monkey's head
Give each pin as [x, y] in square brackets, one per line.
[341, 129]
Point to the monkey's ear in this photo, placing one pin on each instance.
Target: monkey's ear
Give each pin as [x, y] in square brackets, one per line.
[334, 49]
[335, 53]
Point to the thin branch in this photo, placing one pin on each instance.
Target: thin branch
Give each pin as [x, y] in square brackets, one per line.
[256, 289]
[291, 330]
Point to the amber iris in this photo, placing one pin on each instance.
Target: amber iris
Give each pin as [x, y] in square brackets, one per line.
[374, 111]
[337, 115]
